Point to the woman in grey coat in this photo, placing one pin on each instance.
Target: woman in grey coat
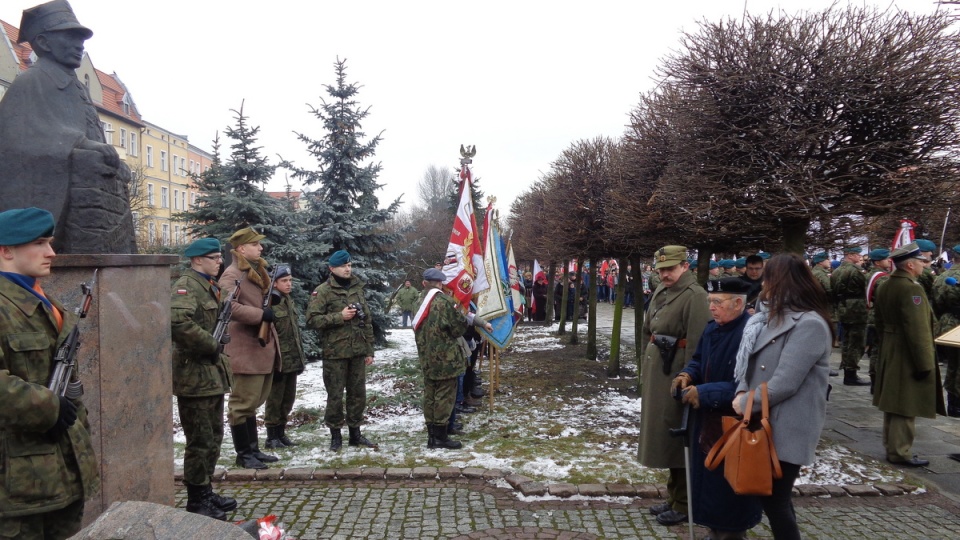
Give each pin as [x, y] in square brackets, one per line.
[787, 344]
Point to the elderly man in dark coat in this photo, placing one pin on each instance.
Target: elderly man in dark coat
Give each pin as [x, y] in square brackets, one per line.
[677, 314]
[52, 148]
[708, 386]
[908, 378]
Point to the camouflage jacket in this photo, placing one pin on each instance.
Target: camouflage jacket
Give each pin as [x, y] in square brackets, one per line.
[339, 338]
[438, 339]
[39, 474]
[288, 333]
[198, 369]
[946, 299]
[849, 285]
[408, 299]
[926, 279]
[823, 278]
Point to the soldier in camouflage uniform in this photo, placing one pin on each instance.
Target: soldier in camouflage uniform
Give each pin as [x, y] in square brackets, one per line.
[821, 272]
[849, 285]
[347, 342]
[946, 291]
[439, 327]
[408, 300]
[879, 274]
[926, 279]
[283, 392]
[201, 376]
[47, 465]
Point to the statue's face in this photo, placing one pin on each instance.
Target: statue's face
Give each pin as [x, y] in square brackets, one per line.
[63, 46]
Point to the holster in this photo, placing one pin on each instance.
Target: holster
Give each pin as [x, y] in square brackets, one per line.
[668, 348]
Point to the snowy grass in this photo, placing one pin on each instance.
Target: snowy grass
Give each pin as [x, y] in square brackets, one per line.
[587, 436]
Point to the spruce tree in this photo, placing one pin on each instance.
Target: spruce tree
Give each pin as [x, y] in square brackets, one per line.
[343, 211]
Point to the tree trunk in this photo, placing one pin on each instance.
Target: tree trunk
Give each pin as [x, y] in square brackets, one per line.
[592, 312]
[613, 364]
[551, 283]
[703, 264]
[638, 306]
[795, 235]
[565, 280]
[575, 323]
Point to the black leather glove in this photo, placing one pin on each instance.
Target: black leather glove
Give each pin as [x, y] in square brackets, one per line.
[277, 376]
[268, 315]
[921, 375]
[65, 418]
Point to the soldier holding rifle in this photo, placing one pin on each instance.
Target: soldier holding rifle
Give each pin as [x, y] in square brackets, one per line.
[253, 357]
[49, 468]
[201, 375]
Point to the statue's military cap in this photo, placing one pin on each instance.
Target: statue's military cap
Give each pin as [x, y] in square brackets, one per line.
[247, 235]
[23, 225]
[879, 254]
[668, 256]
[339, 258]
[49, 17]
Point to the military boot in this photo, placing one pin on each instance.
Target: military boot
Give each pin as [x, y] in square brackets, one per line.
[199, 502]
[273, 438]
[283, 436]
[442, 441]
[356, 439]
[850, 378]
[255, 443]
[431, 438]
[953, 405]
[241, 441]
[227, 504]
[336, 440]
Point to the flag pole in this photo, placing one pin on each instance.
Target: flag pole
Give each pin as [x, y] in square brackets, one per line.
[943, 233]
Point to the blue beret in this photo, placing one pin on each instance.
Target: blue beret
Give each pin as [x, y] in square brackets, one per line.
[432, 274]
[956, 249]
[693, 263]
[23, 225]
[714, 264]
[926, 245]
[763, 255]
[339, 258]
[741, 262]
[201, 247]
[853, 250]
[834, 264]
[820, 257]
[879, 254]
[726, 263]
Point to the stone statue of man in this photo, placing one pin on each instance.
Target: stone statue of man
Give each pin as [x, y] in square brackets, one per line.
[53, 154]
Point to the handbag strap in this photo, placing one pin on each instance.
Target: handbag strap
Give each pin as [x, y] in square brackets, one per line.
[765, 423]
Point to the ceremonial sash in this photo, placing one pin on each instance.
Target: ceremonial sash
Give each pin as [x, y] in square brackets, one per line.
[424, 308]
[871, 285]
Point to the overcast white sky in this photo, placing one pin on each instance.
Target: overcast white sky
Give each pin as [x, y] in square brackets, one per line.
[521, 80]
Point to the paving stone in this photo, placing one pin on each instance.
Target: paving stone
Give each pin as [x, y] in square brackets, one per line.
[647, 491]
[350, 473]
[324, 474]
[811, 490]
[398, 472]
[300, 473]
[836, 491]
[531, 489]
[218, 474]
[907, 488]
[621, 490]
[241, 475]
[376, 473]
[592, 490]
[473, 472]
[270, 474]
[424, 472]
[861, 490]
[494, 474]
[448, 472]
[516, 479]
[888, 489]
[562, 489]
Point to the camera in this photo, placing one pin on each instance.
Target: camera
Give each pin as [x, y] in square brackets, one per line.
[361, 314]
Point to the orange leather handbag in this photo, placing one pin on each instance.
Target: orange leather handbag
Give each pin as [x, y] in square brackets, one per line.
[749, 458]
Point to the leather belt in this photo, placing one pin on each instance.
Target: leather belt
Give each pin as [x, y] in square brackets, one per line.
[681, 343]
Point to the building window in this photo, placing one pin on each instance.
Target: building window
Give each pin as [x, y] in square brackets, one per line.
[183, 199]
[123, 138]
[164, 197]
[149, 156]
[126, 104]
[163, 160]
[177, 239]
[134, 148]
[150, 200]
[107, 132]
[136, 220]
[176, 199]
[166, 234]
[193, 201]
[151, 233]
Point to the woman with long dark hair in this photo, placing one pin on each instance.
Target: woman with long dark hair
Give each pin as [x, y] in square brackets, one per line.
[787, 344]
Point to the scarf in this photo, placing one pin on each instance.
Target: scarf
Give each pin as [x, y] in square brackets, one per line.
[256, 275]
[751, 331]
[424, 308]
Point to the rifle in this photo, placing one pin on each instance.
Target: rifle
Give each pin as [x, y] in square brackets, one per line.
[223, 319]
[263, 336]
[66, 357]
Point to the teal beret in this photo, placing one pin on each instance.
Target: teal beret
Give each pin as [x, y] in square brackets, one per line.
[853, 250]
[956, 249]
[820, 257]
[741, 262]
[879, 254]
[714, 264]
[926, 245]
[693, 264]
[23, 225]
[763, 255]
[339, 258]
[201, 247]
[726, 263]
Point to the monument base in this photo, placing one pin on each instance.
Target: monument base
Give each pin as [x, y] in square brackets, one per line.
[124, 364]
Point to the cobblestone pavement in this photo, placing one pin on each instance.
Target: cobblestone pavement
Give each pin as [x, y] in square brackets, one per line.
[477, 509]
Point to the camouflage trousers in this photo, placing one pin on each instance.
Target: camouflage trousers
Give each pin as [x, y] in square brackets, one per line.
[53, 525]
[439, 397]
[951, 357]
[873, 349]
[854, 339]
[280, 401]
[345, 375]
[202, 420]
